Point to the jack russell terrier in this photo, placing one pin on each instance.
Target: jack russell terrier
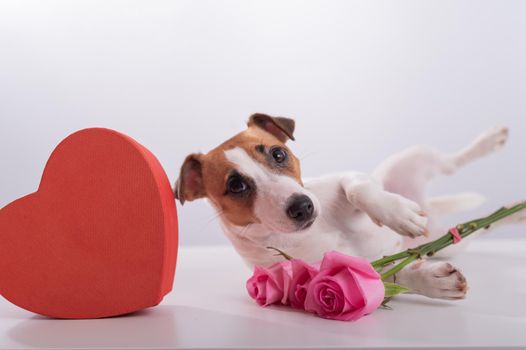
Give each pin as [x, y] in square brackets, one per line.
[254, 182]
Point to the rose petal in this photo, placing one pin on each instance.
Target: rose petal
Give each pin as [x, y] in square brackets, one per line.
[302, 274]
[270, 285]
[349, 285]
[273, 292]
[314, 301]
[346, 288]
[366, 295]
[252, 283]
[373, 291]
[336, 260]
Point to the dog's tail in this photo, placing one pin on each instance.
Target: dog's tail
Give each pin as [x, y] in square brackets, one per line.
[455, 203]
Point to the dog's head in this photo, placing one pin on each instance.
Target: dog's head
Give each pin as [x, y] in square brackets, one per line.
[253, 178]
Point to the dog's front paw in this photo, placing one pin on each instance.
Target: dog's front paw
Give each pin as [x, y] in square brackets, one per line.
[400, 214]
[439, 280]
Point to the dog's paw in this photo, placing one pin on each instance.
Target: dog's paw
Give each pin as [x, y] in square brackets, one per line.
[491, 140]
[439, 280]
[400, 214]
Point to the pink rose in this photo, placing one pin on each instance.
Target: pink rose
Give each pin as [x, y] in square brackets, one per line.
[346, 288]
[302, 274]
[270, 285]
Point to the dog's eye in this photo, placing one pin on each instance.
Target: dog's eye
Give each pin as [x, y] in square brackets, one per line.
[279, 155]
[236, 185]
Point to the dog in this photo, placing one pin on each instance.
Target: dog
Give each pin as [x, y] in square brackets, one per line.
[254, 182]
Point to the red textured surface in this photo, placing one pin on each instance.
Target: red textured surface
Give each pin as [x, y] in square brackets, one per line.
[98, 238]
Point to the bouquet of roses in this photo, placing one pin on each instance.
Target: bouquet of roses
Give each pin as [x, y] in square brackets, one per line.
[343, 287]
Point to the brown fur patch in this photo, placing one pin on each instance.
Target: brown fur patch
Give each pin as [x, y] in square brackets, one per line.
[216, 169]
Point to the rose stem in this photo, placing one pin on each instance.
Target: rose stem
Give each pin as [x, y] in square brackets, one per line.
[281, 252]
[428, 249]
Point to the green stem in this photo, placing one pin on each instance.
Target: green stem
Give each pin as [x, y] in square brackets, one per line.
[281, 252]
[428, 249]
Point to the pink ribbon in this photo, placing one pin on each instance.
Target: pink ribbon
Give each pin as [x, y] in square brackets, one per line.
[456, 235]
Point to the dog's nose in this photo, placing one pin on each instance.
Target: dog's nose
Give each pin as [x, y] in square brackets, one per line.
[300, 208]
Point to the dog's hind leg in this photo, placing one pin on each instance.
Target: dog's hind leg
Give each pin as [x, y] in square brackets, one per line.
[433, 279]
[409, 171]
[440, 279]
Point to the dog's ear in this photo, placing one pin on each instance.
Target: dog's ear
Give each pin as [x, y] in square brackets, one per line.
[281, 128]
[189, 186]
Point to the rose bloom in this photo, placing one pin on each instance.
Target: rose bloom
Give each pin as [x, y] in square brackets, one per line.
[346, 288]
[270, 285]
[302, 274]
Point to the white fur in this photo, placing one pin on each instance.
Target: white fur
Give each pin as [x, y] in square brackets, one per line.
[362, 215]
[273, 191]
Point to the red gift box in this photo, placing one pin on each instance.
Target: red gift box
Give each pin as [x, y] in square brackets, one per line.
[99, 236]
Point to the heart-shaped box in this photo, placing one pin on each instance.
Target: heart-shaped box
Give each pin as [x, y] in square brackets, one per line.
[98, 238]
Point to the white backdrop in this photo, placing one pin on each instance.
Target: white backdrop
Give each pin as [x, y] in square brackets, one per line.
[362, 78]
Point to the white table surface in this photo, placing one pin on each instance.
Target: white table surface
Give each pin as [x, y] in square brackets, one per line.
[209, 308]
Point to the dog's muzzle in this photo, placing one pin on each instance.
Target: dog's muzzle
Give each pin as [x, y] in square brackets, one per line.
[300, 209]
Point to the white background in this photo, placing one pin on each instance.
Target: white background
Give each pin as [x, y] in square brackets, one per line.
[363, 79]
